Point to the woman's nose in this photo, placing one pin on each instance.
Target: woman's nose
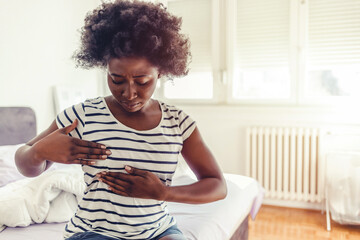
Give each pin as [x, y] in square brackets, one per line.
[129, 92]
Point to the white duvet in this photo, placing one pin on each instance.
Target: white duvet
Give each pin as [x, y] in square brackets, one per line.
[49, 198]
[52, 198]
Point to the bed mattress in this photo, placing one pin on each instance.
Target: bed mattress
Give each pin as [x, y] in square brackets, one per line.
[211, 221]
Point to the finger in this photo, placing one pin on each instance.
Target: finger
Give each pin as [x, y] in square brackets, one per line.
[115, 180]
[113, 185]
[90, 156]
[119, 192]
[83, 162]
[72, 126]
[91, 151]
[118, 175]
[135, 171]
[88, 144]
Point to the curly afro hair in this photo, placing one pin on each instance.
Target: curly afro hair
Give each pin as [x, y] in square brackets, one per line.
[126, 28]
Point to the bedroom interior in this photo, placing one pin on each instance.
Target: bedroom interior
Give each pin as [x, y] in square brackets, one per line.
[297, 139]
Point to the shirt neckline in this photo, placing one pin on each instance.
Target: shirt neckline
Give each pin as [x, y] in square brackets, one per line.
[133, 129]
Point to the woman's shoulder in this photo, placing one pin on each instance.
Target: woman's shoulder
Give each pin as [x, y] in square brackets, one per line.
[95, 100]
[97, 103]
[179, 118]
[171, 111]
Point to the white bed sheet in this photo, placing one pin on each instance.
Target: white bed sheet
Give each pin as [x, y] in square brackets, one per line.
[211, 221]
[218, 220]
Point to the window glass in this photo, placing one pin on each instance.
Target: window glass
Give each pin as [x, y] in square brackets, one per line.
[333, 55]
[196, 17]
[262, 49]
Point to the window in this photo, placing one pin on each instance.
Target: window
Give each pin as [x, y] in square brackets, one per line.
[272, 51]
[199, 24]
[261, 53]
[333, 53]
[196, 24]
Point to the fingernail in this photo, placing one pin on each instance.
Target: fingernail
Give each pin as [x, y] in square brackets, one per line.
[103, 146]
[108, 152]
[92, 162]
[128, 168]
[104, 156]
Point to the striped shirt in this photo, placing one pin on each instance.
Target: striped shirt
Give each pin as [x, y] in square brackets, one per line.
[155, 150]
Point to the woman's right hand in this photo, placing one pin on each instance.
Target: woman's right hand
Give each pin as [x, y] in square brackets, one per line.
[61, 148]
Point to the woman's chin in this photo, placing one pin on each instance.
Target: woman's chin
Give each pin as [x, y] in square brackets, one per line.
[132, 107]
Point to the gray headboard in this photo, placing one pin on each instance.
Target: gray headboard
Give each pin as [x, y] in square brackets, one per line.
[17, 125]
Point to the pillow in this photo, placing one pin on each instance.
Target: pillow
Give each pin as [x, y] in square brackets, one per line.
[8, 170]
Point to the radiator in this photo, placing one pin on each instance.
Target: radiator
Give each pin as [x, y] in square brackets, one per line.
[286, 162]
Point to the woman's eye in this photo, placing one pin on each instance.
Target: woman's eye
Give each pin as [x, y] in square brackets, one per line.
[117, 82]
[141, 83]
[142, 80]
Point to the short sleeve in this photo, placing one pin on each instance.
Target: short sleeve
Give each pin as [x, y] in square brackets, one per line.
[186, 124]
[66, 117]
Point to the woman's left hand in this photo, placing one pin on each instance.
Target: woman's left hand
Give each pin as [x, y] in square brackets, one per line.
[138, 183]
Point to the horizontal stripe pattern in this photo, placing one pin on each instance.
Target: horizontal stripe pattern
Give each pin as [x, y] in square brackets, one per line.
[155, 150]
[135, 140]
[132, 132]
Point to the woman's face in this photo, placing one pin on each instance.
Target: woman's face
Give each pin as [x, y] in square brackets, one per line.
[132, 81]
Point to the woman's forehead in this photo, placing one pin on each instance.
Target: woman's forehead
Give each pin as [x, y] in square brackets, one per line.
[130, 64]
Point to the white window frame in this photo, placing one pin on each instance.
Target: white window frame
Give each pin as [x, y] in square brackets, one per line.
[294, 49]
[299, 28]
[302, 99]
[223, 64]
[218, 57]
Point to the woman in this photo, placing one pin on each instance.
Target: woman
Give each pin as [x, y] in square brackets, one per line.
[128, 143]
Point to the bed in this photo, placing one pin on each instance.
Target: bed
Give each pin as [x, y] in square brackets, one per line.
[224, 219]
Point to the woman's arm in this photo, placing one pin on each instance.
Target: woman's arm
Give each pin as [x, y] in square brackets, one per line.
[211, 185]
[144, 184]
[54, 145]
[26, 157]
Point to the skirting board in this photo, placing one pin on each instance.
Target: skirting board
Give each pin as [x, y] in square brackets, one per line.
[295, 204]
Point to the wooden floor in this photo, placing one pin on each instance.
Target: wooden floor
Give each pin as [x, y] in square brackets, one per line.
[277, 223]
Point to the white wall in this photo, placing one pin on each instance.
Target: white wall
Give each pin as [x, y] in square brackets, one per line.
[223, 126]
[37, 40]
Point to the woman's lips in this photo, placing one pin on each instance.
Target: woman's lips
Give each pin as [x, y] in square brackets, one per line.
[130, 105]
